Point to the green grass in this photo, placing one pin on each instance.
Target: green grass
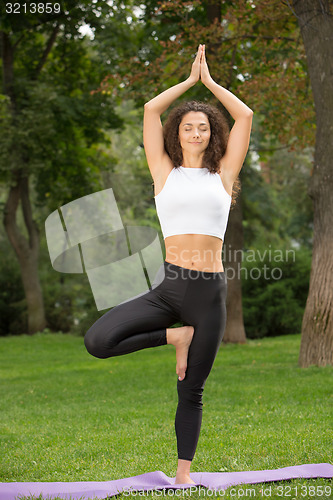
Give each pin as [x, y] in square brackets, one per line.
[66, 416]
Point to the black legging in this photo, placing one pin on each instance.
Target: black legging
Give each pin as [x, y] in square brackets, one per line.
[192, 297]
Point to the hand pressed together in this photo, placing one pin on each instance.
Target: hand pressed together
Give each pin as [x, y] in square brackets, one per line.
[200, 68]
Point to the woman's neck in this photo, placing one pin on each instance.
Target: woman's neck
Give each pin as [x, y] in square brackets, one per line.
[192, 161]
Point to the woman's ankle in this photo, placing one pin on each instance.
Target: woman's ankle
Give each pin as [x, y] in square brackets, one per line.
[183, 472]
[172, 335]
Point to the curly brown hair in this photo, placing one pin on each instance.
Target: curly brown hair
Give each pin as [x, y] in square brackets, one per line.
[219, 134]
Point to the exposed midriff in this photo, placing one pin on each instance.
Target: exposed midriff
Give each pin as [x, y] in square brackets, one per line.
[195, 251]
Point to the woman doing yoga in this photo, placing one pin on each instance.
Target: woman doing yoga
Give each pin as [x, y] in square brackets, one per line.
[194, 162]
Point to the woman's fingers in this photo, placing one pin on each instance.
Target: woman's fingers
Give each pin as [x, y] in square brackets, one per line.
[195, 71]
[203, 57]
[204, 70]
[196, 66]
[197, 59]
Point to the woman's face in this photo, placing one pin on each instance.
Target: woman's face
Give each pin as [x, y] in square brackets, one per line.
[194, 132]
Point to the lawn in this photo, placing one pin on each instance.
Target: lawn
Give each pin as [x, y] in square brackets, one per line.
[66, 416]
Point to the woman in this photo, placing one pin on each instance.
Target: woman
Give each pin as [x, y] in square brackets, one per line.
[194, 163]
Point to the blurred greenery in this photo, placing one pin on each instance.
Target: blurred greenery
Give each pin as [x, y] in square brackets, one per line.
[275, 288]
[277, 218]
[78, 127]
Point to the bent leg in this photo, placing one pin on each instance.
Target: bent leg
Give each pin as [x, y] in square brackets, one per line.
[137, 324]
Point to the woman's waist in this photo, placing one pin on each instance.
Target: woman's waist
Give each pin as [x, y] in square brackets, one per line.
[195, 251]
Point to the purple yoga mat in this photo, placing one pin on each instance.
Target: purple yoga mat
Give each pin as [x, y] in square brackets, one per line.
[158, 481]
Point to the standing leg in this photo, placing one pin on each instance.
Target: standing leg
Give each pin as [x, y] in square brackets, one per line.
[204, 307]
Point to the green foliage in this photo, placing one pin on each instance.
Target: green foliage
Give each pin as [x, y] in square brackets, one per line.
[69, 303]
[59, 295]
[68, 299]
[55, 137]
[53, 123]
[274, 288]
[253, 49]
[277, 209]
[71, 140]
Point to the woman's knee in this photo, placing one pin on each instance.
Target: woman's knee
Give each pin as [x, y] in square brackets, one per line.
[190, 394]
[94, 345]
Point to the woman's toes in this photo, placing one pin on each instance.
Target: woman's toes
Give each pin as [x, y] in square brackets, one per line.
[181, 373]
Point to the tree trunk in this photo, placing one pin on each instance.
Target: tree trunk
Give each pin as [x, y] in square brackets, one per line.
[27, 251]
[316, 24]
[214, 10]
[232, 253]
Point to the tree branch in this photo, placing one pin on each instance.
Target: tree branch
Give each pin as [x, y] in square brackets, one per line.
[261, 37]
[46, 52]
[232, 64]
[269, 149]
[18, 40]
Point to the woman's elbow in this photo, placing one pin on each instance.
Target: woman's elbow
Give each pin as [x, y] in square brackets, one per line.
[249, 113]
[147, 106]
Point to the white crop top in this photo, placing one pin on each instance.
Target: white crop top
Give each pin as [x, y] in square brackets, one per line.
[193, 201]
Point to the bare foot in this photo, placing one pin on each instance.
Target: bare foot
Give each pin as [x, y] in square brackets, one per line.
[181, 338]
[183, 472]
[184, 479]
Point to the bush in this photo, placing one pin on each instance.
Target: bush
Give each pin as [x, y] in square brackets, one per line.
[13, 318]
[69, 304]
[274, 301]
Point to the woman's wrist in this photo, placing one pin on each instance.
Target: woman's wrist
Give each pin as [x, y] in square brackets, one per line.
[209, 82]
[191, 81]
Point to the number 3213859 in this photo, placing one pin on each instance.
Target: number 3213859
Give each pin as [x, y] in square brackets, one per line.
[33, 8]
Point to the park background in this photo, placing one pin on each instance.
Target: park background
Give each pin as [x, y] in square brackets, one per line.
[74, 83]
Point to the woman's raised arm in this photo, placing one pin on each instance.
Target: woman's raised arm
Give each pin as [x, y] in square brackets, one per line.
[239, 138]
[152, 126]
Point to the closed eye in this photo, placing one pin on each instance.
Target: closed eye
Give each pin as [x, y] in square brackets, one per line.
[201, 129]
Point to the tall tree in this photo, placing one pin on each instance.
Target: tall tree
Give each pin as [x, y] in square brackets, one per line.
[51, 121]
[316, 23]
